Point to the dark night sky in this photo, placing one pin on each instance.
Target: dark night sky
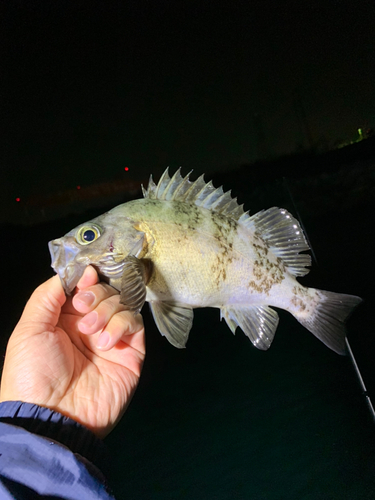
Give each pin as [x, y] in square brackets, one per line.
[87, 88]
[91, 87]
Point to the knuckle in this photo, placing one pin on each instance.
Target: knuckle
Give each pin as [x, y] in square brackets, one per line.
[103, 291]
[103, 288]
[110, 306]
[121, 320]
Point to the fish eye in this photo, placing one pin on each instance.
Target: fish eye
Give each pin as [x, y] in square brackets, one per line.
[87, 234]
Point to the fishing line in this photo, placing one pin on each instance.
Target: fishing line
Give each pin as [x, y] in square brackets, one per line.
[350, 352]
[361, 381]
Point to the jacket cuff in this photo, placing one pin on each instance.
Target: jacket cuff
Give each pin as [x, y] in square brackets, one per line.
[53, 425]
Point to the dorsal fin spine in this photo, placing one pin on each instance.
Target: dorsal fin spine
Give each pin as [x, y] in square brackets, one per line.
[199, 192]
[206, 191]
[150, 192]
[176, 178]
[162, 184]
[182, 188]
[238, 212]
[222, 201]
[167, 181]
[194, 189]
[212, 197]
[176, 182]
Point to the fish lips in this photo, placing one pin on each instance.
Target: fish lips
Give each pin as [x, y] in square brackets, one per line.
[65, 264]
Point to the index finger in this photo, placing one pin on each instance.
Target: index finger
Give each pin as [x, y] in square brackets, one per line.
[89, 277]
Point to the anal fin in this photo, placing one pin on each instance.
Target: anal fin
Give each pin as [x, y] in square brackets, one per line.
[259, 323]
[174, 321]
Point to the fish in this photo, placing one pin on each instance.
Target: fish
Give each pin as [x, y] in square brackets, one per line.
[187, 244]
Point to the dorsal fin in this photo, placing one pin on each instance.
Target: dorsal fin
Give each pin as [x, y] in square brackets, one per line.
[284, 235]
[202, 194]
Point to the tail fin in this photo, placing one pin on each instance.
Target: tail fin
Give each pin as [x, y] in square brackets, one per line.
[327, 322]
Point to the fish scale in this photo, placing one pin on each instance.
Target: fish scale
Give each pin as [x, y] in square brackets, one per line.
[188, 245]
[193, 275]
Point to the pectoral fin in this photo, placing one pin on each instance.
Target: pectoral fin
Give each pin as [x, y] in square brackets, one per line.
[173, 321]
[259, 323]
[133, 283]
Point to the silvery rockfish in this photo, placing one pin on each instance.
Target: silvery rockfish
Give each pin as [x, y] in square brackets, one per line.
[186, 245]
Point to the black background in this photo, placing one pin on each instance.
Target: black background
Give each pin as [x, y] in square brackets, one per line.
[90, 89]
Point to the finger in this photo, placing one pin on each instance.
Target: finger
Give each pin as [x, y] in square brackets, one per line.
[126, 345]
[88, 278]
[122, 326]
[45, 303]
[98, 318]
[89, 298]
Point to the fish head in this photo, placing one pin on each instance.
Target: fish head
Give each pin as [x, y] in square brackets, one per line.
[103, 242]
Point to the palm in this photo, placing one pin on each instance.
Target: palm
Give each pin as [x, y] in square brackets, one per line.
[61, 368]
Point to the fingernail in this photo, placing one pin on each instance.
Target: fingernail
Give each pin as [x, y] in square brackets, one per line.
[86, 298]
[103, 340]
[90, 319]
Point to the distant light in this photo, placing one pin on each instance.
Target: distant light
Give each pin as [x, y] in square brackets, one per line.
[78, 187]
[18, 199]
[126, 169]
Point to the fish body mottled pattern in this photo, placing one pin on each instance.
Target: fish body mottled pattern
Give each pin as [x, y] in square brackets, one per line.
[216, 261]
[188, 245]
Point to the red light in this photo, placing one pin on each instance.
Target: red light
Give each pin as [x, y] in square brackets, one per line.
[18, 199]
[78, 187]
[126, 169]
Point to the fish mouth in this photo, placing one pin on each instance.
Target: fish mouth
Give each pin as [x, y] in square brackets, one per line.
[64, 263]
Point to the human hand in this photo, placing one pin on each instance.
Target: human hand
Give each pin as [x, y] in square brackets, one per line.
[55, 360]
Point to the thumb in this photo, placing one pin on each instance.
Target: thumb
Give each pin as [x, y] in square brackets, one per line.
[44, 305]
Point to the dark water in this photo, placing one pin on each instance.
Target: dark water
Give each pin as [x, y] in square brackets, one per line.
[220, 420]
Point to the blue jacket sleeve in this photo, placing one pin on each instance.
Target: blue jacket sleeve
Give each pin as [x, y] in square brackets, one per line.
[44, 454]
